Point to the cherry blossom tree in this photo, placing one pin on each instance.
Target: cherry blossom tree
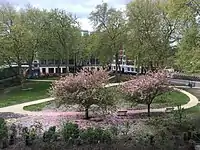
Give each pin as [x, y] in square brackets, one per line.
[85, 89]
[145, 88]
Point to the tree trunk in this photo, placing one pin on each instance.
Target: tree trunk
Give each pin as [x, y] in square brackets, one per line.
[116, 67]
[59, 70]
[67, 66]
[30, 69]
[86, 113]
[75, 65]
[120, 68]
[20, 74]
[149, 110]
[137, 63]
[142, 69]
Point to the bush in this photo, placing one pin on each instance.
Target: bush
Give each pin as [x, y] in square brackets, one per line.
[50, 135]
[3, 133]
[70, 131]
[3, 129]
[95, 135]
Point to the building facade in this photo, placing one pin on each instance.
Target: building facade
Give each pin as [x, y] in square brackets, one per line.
[126, 65]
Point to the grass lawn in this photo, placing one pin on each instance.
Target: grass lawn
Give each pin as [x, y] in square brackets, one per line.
[16, 95]
[193, 110]
[36, 107]
[173, 98]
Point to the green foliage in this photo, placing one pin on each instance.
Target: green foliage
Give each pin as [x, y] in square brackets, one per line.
[50, 135]
[72, 134]
[188, 51]
[95, 135]
[70, 131]
[38, 90]
[110, 29]
[29, 135]
[172, 98]
[3, 130]
[60, 37]
[149, 33]
[179, 115]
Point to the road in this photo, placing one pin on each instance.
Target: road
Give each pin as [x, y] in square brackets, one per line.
[184, 82]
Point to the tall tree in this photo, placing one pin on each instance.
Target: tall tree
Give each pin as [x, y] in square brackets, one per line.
[188, 48]
[60, 35]
[150, 32]
[187, 57]
[14, 34]
[32, 20]
[111, 26]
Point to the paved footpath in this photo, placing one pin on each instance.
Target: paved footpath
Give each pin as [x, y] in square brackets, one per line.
[19, 107]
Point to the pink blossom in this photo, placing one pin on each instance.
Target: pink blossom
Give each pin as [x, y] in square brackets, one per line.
[80, 89]
[145, 88]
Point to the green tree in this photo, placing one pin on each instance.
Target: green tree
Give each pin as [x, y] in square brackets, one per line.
[32, 20]
[150, 33]
[110, 24]
[187, 57]
[14, 33]
[59, 34]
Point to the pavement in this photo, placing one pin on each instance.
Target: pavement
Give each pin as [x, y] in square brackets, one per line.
[184, 82]
[19, 107]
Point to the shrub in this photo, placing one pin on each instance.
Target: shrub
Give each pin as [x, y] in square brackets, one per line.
[3, 129]
[95, 135]
[70, 131]
[3, 133]
[50, 135]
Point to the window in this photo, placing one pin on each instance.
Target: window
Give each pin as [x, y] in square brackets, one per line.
[57, 70]
[64, 70]
[132, 69]
[43, 62]
[51, 70]
[128, 69]
[43, 70]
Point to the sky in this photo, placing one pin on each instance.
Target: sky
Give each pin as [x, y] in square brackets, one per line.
[80, 8]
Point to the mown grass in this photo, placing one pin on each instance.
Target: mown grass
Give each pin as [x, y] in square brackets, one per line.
[173, 98]
[36, 107]
[16, 95]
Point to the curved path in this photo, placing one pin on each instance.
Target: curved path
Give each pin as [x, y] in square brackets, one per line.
[19, 107]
